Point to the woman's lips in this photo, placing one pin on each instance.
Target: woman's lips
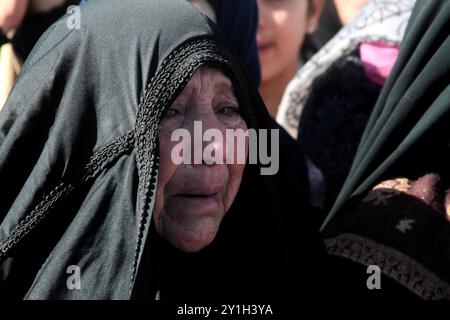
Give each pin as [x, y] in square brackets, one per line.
[199, 198]
[200, 189]
[263, 47]
[199, 202]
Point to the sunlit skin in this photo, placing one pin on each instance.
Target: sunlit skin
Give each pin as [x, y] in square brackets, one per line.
[192, 199]
[12, 13]
[283, 25]
[348, 9]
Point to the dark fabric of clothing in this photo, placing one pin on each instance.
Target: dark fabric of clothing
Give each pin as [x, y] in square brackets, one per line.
[407, 137]
[238, 20]
[3, 38]
[334, 118]
[402, 226]
[79, 168]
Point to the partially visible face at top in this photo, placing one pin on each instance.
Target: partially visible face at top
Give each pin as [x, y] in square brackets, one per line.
[192, 199]
[348, 9]
[283, 25]
[12, 12]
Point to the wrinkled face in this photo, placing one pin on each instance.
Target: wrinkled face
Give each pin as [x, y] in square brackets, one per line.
[282, 27]
[193, 198]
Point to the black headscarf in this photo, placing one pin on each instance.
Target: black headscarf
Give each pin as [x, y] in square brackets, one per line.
[79, 167]
[238, 20]
[407, 136]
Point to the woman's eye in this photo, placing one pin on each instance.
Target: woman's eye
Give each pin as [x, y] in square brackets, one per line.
[229, 110]
[172, 113]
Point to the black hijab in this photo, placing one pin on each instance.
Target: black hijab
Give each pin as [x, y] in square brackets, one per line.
[238, 20]
[79, 166]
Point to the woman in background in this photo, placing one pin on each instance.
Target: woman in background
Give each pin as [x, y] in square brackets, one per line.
[22, 23]
[283, 26]
[336, 14]
[327, 105]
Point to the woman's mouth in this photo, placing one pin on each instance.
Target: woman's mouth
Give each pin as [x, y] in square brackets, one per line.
[200, 198]
[264, 47]
[200, 203]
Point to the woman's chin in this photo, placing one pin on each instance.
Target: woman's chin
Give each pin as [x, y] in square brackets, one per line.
[194, 238]
[192, 247]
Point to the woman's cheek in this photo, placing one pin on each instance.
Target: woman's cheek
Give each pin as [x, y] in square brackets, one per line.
[240, 153]
[236, 172]
[166, 170]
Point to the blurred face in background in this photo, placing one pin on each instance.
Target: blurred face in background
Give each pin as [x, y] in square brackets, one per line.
[348, 9]
[44, 5]
[283, 26]
[12, 13]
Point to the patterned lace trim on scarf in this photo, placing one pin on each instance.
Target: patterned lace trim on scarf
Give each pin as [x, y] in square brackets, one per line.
[392, 263]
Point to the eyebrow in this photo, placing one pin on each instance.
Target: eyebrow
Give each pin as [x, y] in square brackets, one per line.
[225, 86]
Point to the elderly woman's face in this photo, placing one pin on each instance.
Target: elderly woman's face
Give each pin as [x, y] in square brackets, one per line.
[193, 198]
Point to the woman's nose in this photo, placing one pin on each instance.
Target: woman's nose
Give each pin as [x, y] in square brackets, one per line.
[207, 141]
[214, 151]
[262, 12]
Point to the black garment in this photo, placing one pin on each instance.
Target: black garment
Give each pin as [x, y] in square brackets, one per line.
[79, 166]
[3, 39]
[407, 137]
[238, 20]
[334, 118]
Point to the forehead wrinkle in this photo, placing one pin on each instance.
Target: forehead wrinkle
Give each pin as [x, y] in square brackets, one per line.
[215, 77]
[205, 86]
